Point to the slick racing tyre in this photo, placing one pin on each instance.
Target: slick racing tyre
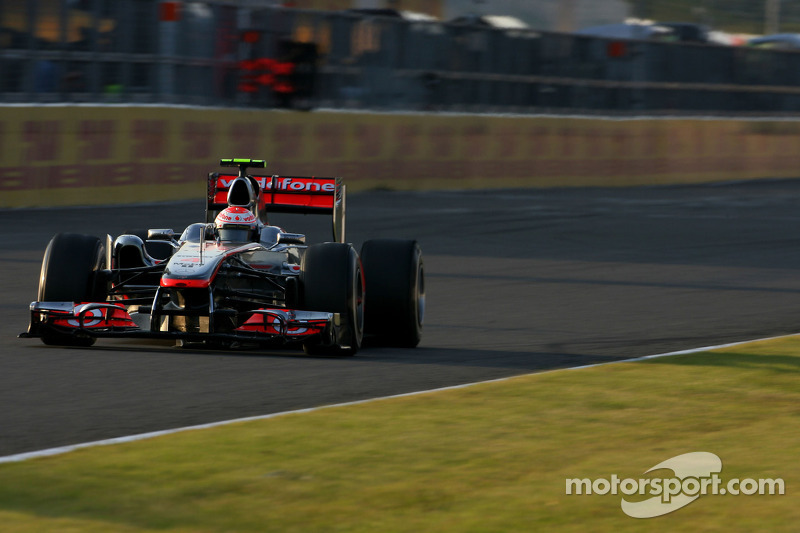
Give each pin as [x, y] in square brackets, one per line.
[69, 274]
[395, 292]
[331, 281]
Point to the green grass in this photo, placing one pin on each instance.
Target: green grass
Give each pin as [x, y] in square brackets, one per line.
[492, 457]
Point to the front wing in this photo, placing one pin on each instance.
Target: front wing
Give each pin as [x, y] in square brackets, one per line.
[107, 319]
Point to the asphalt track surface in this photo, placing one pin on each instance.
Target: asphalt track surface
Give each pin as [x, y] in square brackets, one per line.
[518, 281]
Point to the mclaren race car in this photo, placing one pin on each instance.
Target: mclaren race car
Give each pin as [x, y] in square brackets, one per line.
[235, 279]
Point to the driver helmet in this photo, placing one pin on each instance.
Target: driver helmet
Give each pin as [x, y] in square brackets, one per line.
[236, 224]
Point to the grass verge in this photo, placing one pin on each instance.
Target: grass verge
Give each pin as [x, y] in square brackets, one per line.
[493, 457]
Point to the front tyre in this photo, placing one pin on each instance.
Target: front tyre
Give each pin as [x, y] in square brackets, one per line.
[331, 281]
[70, 274]
[395, 287]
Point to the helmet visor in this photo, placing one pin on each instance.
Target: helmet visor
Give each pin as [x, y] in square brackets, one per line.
[235, 233]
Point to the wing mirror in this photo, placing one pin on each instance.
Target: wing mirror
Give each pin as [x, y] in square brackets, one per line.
[160, 235]
[163, 235]
[291, 238]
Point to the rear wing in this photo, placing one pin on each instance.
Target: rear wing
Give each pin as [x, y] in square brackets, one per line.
[284, 194]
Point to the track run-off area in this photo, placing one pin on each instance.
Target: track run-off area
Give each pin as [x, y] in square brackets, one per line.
[518, 281]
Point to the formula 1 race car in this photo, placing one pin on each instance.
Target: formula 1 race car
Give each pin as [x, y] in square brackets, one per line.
[235, 279]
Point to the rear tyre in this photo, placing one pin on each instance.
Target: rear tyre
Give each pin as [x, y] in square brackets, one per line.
[395, 292]
[70, 274]
[331, 281]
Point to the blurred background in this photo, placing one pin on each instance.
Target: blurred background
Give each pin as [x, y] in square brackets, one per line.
[516, 56]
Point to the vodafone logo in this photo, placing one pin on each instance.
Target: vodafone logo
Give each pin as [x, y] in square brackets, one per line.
[290, 184]
[234, 215]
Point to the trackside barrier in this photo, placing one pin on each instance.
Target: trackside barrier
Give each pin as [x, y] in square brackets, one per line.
[81, 155]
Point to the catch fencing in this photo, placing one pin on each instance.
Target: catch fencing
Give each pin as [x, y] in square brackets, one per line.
[245, 54]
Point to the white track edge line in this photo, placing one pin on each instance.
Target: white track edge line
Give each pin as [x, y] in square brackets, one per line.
[60, 450]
